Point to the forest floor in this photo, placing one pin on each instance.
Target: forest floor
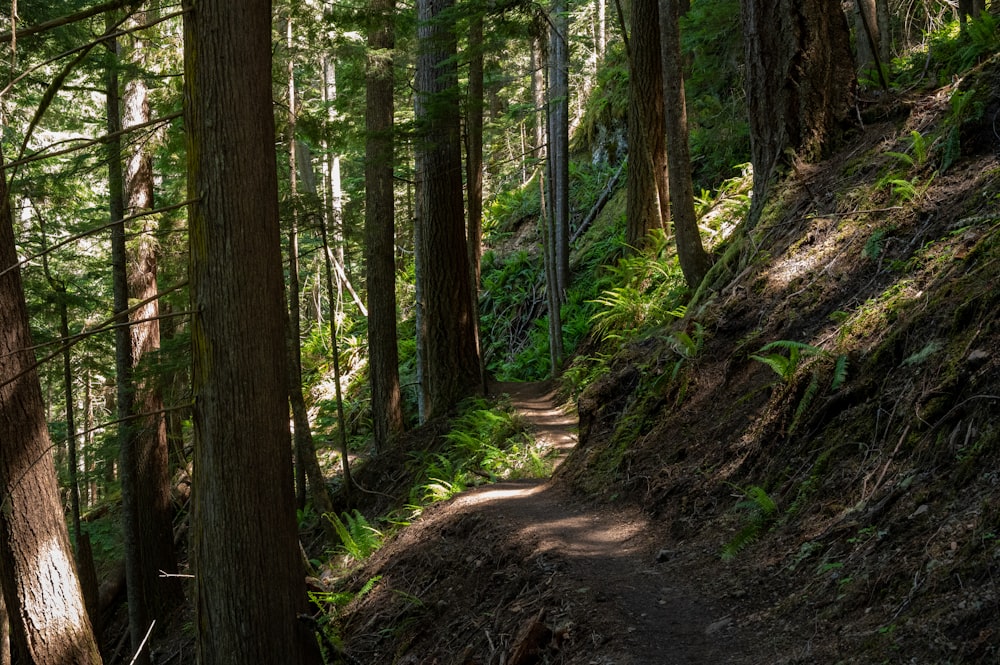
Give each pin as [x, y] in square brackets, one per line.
[525, 572]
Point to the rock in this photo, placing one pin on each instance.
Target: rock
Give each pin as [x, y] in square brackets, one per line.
[719, 626]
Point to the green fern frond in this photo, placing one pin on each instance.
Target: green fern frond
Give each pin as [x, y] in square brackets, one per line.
[839, 373]
[901, 157]
[358, 539]
[777, 362]
[920, 145]
[804, 403]
[790, 345]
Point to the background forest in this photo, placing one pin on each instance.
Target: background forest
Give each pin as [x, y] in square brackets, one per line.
[753, 241]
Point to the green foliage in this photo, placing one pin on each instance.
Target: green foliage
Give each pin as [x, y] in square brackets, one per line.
[485, 443]
[358, 539]
[712, 42]
[509, 207]
[644, 294]
[873, 246]
[963, 106]
[327, 604]
[511, 298]
[949, 51]
[760, 510]
[783, 365]
[583, 371]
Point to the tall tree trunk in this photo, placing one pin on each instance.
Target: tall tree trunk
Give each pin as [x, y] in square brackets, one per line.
[249, 584]
[309, 474]
[380, 226]
[154, 514]
[558, 153]
[693, 259]
[647, 194]
[474, 170]
[335, 352]
[128, 443]
[451, 359]
[800, 82]
[41, 590]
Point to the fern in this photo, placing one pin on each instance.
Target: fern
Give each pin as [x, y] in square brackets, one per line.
[785, 366]
[839, 373]
[761, 509]
[358, 539]
[804, 403]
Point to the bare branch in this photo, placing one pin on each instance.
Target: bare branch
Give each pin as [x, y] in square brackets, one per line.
[89, 232]
[61, 21]
[87, 143]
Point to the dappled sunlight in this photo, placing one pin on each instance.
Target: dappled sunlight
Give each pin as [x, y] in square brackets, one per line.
[59, 602]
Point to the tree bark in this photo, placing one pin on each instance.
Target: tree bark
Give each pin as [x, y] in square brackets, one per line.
[128, 445]
[451, 362]
[474, 171]
[800, 82]
[41, 590]
[647, 194]
[693, 259]
[558, 152]
[380, 226]
[249, 583]
[153, 510]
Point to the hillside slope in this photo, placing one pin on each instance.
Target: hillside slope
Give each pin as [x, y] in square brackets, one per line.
[842, 488]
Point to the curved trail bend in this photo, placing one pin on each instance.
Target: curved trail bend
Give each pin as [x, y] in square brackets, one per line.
[621, 607]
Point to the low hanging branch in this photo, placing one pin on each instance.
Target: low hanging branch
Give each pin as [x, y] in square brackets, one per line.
[89, 232]
[83, 15]
[107, 324]
[88, 143]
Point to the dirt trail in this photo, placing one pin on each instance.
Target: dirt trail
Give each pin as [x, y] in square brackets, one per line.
[624, 607]
[526, 573]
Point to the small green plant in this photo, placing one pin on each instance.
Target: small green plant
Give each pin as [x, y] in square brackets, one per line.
[873, 246]
[644, 294]
[964, 106]
[761, 510]
[327, 603]
[358, 538]
[785, 365]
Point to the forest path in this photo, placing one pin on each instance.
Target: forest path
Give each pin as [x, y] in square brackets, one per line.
[621, 606]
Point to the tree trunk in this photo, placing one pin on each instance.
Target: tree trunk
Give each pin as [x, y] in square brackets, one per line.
[249, 583]
[558, 153]
[309, 474]
[128, 443]
[647, 195]
[380, 226]
[869, 40]
[451, 362]
[693, 259]
[153, 510]
[474, 172]
[41, 591]
[800, 82]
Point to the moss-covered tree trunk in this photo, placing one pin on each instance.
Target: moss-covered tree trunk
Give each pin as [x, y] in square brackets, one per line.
[451, 359]
[380, 225]
[249, 582]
